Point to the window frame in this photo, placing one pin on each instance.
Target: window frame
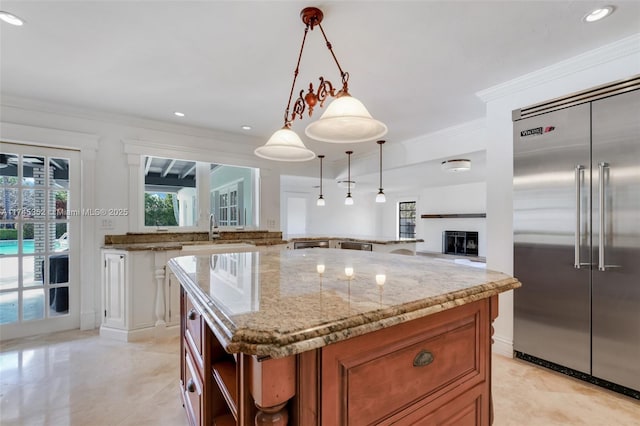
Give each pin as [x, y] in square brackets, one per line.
[403, 234]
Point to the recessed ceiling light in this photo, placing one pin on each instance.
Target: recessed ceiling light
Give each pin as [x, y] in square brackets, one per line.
[598, 14]
[245, 127]
[178, 114]
[10, 18]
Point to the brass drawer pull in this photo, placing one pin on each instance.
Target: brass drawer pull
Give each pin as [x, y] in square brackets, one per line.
[191, 386]
[192, 314]
[423, 359]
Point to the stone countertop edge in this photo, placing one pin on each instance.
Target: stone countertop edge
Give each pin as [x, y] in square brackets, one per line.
[181, 245]
[373, 240]
[277, 345]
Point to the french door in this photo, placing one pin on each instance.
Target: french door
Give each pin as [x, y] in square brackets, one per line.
[39, 240]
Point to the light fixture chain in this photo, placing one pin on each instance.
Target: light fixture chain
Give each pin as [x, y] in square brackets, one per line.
[343, 75]
[321, 157]
[287, 122]
[380, 166]
[348, 170]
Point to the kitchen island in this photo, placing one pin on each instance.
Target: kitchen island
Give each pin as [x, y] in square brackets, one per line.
[335, 337]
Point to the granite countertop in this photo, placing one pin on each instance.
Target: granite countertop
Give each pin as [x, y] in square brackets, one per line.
[357, 239]
[275, 303]
[164, 241]
[145, 246]
[176, 245]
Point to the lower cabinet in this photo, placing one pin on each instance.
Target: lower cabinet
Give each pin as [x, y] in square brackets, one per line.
[140, 296]
[421, 365]
[435, 370]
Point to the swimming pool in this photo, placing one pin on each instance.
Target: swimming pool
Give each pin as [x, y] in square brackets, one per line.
[11, 247]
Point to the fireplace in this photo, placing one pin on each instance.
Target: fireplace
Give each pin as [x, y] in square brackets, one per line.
[460, 242]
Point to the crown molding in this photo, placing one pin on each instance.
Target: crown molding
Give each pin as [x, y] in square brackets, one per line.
[462, 129]
[71, 111]
[48, 137]
[607, 53]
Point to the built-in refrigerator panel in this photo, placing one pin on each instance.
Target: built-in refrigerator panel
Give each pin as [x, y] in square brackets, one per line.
[616, 251]
[552, 234]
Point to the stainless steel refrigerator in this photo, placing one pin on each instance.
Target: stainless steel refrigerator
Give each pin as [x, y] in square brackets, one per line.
[577, 234]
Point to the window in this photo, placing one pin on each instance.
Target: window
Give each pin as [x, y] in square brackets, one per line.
[407, 219]
[169, 192]
[173, 190]
[232, 195]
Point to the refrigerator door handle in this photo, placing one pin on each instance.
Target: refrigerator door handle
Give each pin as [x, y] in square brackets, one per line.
[579, 171]
[601, 195]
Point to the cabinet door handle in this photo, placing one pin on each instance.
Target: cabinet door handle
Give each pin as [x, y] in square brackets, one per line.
[423, 359]
[192, 314]
[191, 386]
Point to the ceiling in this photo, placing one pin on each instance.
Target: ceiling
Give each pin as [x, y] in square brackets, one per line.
[415, 65]
[403, 179]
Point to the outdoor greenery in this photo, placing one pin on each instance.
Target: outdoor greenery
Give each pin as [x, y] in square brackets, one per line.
[158, 209]
[8, 234]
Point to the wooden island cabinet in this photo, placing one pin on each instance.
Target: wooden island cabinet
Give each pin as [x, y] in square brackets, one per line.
[316, 337]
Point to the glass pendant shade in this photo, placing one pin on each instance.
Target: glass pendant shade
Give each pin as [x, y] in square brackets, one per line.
[285, 145]
[348, 201]
[346, 120]
[380, 198]
[320, 202]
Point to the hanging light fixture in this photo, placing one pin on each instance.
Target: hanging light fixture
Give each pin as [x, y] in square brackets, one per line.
[380, 198]
[349, 200]
[346, 119]
[320, 201]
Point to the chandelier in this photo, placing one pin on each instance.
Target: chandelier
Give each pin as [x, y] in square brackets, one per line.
[346, 119]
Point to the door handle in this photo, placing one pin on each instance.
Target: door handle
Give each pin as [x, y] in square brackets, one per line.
[578, 176]
[601, 195]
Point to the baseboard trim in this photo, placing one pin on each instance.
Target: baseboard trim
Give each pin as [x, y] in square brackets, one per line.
[139, 334]
[502, 346]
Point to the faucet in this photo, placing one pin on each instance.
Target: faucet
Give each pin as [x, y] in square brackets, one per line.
[213, 227]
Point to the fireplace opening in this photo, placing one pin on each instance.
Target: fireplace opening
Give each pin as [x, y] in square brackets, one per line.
[463, 243]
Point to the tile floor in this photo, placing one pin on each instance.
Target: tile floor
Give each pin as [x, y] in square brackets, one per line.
[78, 378]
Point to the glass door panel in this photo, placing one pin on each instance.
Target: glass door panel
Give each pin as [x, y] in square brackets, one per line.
[38, 278]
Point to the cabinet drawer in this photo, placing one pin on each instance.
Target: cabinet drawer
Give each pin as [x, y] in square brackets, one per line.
[193, 325]
[378, 375]
[467, 409]
[192, 389]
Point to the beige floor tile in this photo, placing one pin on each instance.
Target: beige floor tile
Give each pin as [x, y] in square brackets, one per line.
[77, 378]
[525, 394]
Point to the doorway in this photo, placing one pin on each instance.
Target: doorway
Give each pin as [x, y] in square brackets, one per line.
[39, 240]
[296, 216]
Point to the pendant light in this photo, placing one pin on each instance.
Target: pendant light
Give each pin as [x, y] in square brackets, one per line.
[349, 200]
[345, 120]
[380, 198]
[320, 202]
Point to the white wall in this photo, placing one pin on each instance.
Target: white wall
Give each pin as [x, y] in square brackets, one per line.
[610, 63]
[111, 147]
[467, 198]
[334, 219]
